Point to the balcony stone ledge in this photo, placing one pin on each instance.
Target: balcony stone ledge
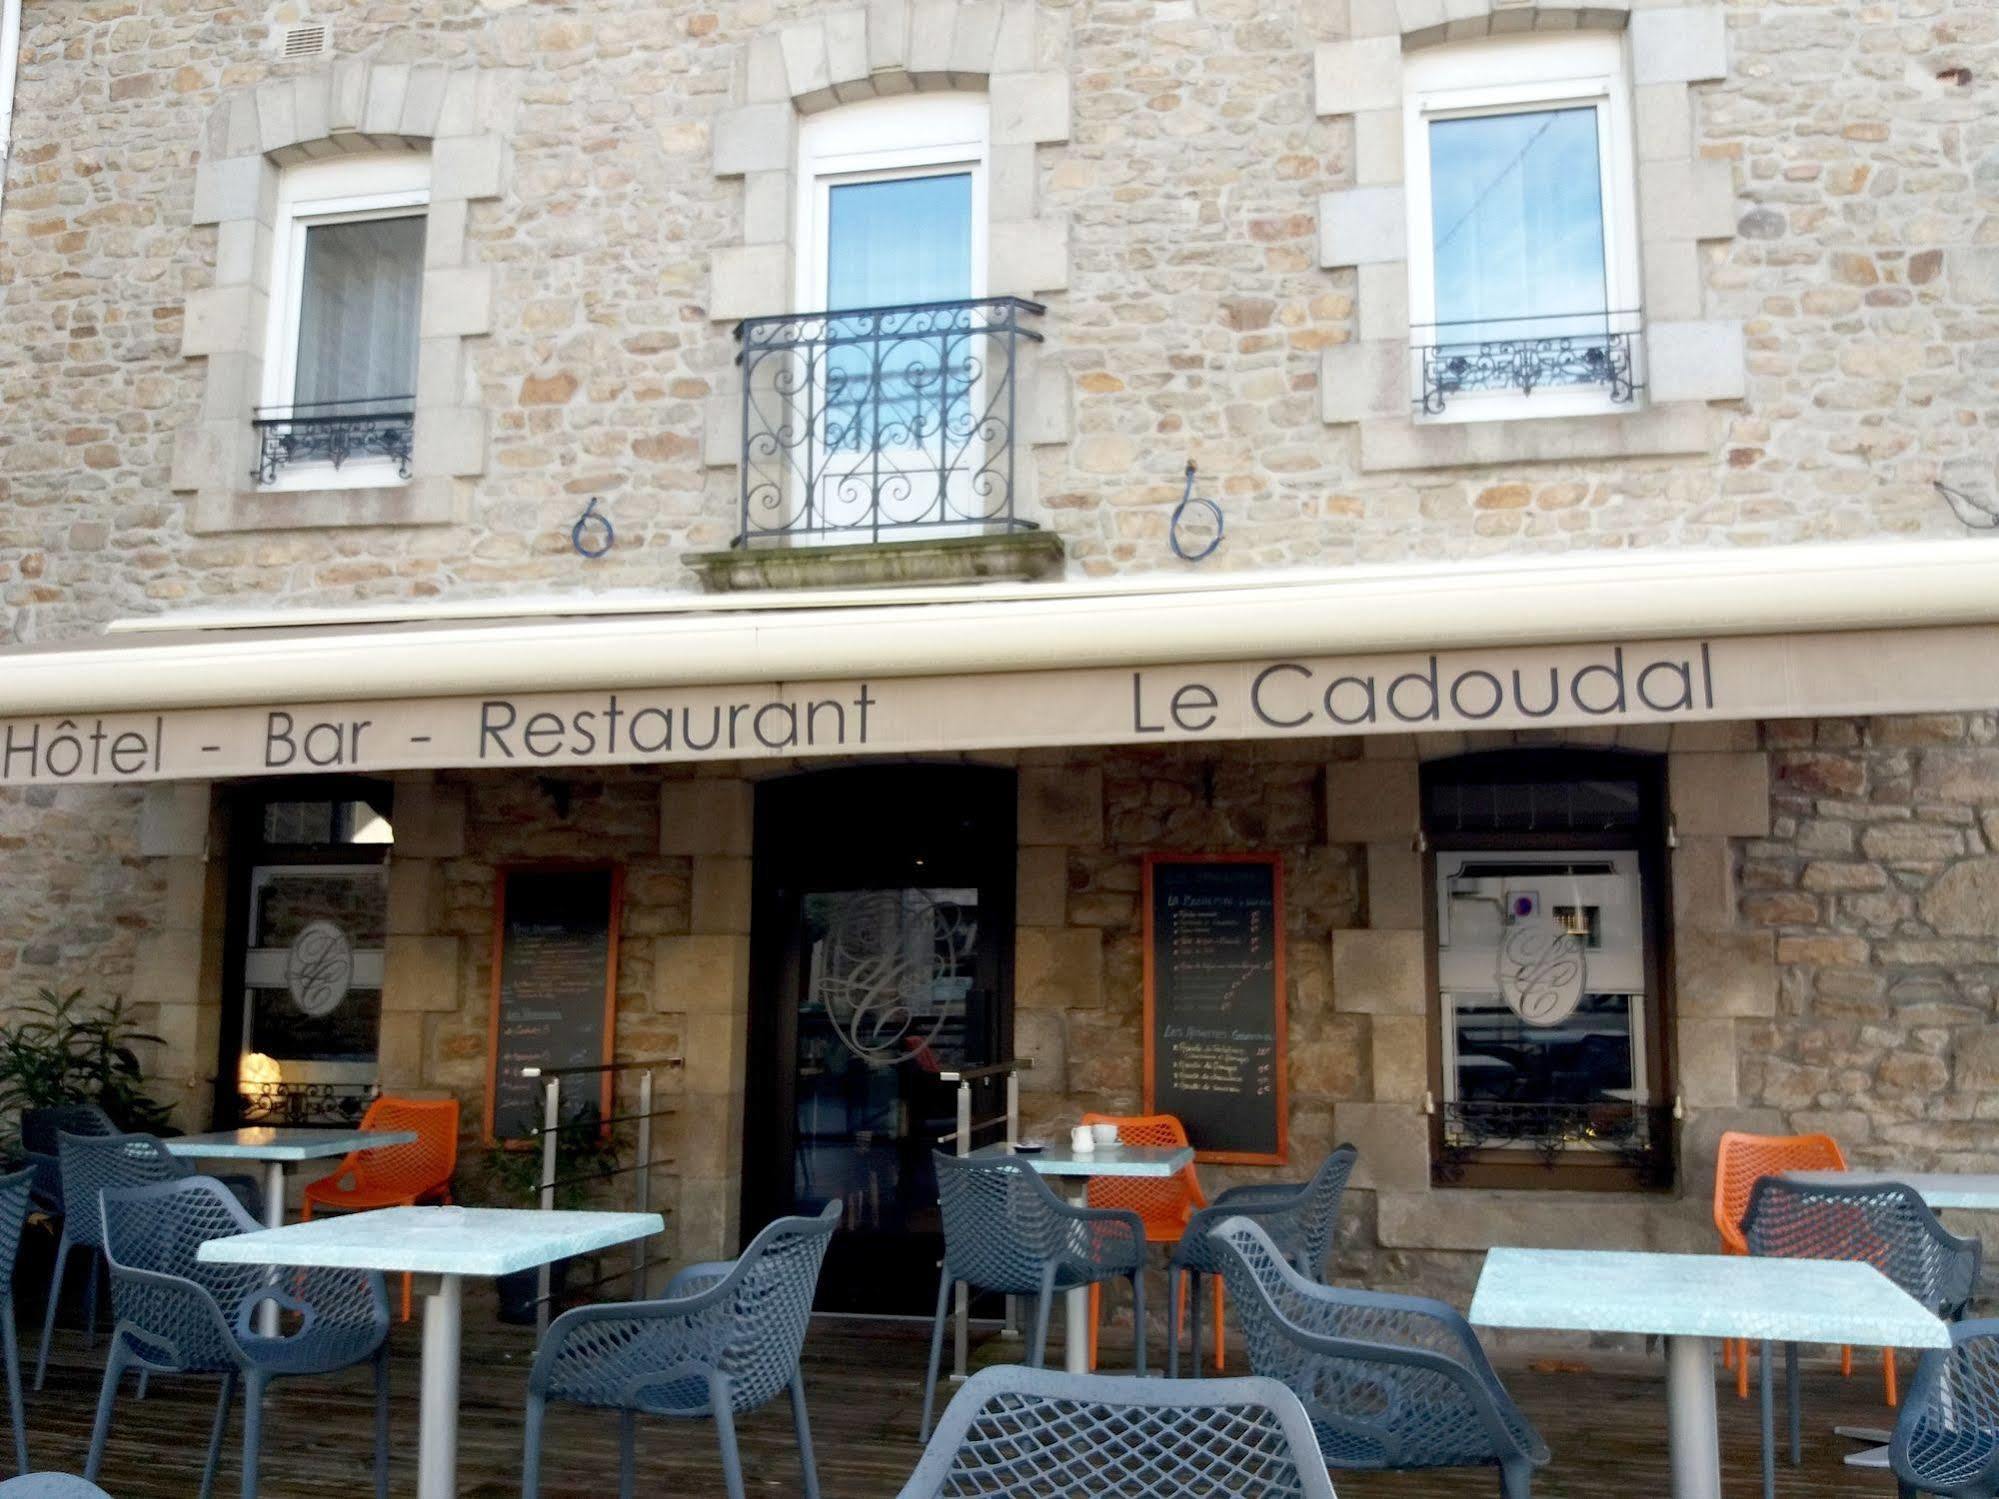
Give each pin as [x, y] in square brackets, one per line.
[1009, 557]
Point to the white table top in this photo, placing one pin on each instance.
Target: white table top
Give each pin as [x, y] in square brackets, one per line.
[1940, 1189]
[434, 1241]
[1117, 1160]
[263, 1143]
[1701, 1295]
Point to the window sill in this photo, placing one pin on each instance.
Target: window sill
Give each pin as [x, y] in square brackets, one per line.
[430, 503]
[1014, 557]
[1391, 444]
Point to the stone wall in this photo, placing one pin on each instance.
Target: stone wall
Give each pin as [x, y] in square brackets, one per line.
[1193, 323]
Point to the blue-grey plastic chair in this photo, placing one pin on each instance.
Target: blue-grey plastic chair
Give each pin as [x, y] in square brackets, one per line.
[88, 1165]
[1017, 1433]
[41, 1128]
[50, 1486]
[1886, 1225]
[1946, 1438]
[724, 1340]
[1006, 1231]
[1301, 1218]
[176, 1315]
[15, 1191]
[1392, 1383]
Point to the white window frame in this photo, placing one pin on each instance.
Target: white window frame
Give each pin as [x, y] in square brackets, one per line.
[879, 140]
[1541, 72]
[349, 190]
[884, 140]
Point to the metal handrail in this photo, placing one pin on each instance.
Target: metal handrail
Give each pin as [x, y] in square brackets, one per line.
[552, 1126]
[996, 1069]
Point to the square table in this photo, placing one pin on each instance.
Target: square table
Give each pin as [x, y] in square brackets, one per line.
[1078, 1166]
[275, 1149]
[1690, 1300]
[1970, 1191]
[449, 1243]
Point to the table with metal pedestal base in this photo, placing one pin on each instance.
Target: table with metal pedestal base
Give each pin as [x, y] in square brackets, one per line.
[448, 1243]
[1693, 1301]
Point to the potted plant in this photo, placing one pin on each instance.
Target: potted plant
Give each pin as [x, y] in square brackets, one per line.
[584, 1154]
[56, 1050]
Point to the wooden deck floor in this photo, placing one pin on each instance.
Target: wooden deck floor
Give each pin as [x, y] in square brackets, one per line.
[1606, 1425]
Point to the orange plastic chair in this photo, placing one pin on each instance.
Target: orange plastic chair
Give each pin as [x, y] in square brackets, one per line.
[1163, 1204]
[1741, 1160]
[397, 1176]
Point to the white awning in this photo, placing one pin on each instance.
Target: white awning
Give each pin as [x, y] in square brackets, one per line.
[1589, 640]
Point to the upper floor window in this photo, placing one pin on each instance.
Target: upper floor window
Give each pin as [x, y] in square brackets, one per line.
[885, 408]
[340, 361]
[1523, 245]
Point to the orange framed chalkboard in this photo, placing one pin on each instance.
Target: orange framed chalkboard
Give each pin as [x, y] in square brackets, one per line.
[555, 988]
[1215, 1054]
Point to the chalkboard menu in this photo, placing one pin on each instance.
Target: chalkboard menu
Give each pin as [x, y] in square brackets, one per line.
[1214, 1002]
[555, 967]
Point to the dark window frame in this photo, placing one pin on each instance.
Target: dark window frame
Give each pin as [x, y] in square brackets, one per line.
[1650, 839]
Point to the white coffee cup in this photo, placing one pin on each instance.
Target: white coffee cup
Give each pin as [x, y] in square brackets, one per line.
[1105, 1135]
[1082, 1141]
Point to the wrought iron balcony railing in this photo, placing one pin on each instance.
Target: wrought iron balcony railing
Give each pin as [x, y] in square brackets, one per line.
[1525, 355]
[897, 421]
[334, 432]
[302, 1103]
[1635, 1135]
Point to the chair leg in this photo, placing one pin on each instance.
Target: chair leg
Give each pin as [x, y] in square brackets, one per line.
[1742, 1371]
[382, 1421]
[92, 1273]
[1791, 1401]
[253, 1432]
[406, 1297]
[107, 1395]
[628, 1457]
[223, 1400]
[1846, 1362]
[1037, 1347]
[1767, 1401]
[1138, 1318]
[936, 1353]
[1096, 1321]
[1221, 1323]
[1888, 1378]
[14, 1410]
[49, 1314]
[1516, 1480]
[801, 1423]
[1194, 1322]
[719, 1400]
[531, 1447]
[1728, 1354]
[1176, 1298]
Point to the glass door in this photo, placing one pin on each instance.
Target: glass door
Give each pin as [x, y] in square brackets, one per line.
[883, 936]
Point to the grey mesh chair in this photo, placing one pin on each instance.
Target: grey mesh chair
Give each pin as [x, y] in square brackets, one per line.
[40, 1128]
[15, 1191]
[176, 1315]
[50, 1486]
[88, 1164]
[1946, 1439]
[1017, 1433]
[724, 1340]
[1006, 1231]
[1391, 1383]
[1886, 1225]
[1301, 1218]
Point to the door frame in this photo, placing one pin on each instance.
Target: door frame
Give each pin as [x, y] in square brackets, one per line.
[788, 857]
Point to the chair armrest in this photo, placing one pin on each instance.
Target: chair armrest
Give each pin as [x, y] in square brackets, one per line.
[691, 1280]
[714, 1302]
[1266, 1193]
[1100, 1238]
[246, 1315]
[1478, 1394]
[151, 1289]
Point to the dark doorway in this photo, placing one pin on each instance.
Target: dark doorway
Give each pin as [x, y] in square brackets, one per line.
[882, 956]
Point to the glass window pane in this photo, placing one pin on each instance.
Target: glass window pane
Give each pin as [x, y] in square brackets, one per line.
[358, 314]
[897, 241]
[898, 384]
[1517, 224]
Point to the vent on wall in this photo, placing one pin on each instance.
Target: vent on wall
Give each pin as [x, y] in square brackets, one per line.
[308, 40]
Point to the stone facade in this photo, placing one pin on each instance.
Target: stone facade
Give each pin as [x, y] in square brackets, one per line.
[602, 177]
